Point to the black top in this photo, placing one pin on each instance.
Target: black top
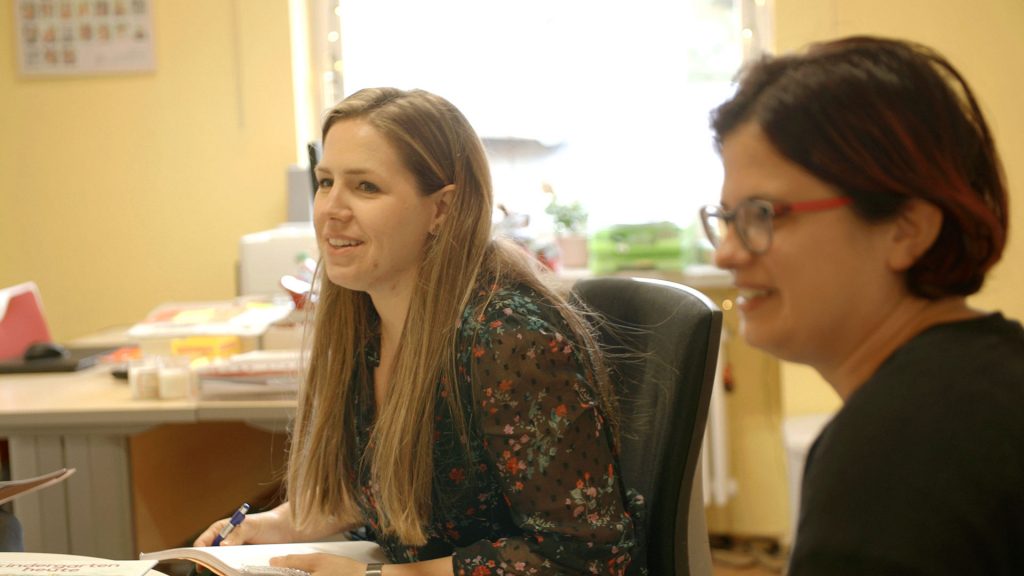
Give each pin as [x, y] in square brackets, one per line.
[922, 470]
[541, 493]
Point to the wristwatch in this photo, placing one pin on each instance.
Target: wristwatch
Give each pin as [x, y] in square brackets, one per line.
[374, 569]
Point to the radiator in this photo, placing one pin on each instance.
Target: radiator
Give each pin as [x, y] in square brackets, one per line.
[714, 455]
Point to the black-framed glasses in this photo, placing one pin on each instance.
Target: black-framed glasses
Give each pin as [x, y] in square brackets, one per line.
[753, 219]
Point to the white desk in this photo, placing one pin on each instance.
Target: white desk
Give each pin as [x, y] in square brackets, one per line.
[83, 420]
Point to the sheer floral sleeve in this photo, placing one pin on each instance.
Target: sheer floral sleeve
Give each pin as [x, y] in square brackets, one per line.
[546, 444]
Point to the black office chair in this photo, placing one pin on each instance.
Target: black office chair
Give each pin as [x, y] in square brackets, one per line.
[662, 340]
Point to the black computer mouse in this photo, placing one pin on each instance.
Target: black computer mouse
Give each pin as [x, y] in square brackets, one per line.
[45, 351]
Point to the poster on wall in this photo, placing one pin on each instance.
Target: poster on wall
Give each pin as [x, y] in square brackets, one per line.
[83, 37]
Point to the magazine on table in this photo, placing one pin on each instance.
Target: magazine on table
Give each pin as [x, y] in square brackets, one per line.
[35, 564]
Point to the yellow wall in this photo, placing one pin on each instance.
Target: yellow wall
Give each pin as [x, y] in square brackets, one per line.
[118, 193]
[985, 40]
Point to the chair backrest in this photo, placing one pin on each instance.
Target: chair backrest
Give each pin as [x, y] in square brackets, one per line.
[662, 340]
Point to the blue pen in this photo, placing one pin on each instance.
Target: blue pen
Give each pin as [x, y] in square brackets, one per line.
[235, 520]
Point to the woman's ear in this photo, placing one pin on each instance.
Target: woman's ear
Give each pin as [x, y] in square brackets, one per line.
[442, 204]
[916, 229]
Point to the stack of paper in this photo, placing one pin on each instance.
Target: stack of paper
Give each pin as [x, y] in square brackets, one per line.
[245, 318]
[240, 317]
[256, 373]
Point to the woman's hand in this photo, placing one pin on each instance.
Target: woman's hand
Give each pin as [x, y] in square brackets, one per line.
[321, 564]
[271, 527]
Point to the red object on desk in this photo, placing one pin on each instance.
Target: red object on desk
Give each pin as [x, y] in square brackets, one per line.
[21, 320]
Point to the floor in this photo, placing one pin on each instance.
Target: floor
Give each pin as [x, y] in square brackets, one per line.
[756, 571]
[747, 559]
[721, 569]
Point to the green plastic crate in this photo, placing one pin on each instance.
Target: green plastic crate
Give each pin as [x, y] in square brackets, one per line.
[654, 246]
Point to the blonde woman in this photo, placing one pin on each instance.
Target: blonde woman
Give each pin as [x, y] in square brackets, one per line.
[455, 405]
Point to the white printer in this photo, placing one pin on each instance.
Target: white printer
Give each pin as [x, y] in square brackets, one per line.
[264, 257]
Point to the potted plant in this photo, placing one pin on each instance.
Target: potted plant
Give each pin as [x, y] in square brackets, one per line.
[570, 221]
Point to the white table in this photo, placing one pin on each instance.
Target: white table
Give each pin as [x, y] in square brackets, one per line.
[83, 420]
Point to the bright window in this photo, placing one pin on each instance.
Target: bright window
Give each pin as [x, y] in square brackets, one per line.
[606, 102]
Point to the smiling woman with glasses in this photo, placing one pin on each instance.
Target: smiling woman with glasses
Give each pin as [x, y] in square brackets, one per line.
[863, 201]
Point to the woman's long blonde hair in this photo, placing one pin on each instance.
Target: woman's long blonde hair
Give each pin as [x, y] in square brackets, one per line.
[439, 147]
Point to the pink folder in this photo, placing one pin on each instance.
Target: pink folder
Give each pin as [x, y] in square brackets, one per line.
[21, 320]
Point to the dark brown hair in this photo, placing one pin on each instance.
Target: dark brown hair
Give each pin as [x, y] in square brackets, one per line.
[885, 121]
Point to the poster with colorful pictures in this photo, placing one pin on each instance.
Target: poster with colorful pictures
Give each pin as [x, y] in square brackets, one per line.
[77, 37]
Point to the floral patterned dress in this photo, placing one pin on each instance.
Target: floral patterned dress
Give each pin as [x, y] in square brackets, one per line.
[537, 490]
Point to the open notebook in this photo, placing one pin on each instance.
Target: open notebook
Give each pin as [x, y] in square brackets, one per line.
[254, 559]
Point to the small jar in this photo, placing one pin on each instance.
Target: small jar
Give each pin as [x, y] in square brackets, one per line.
[176, 378]
[144, 379]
